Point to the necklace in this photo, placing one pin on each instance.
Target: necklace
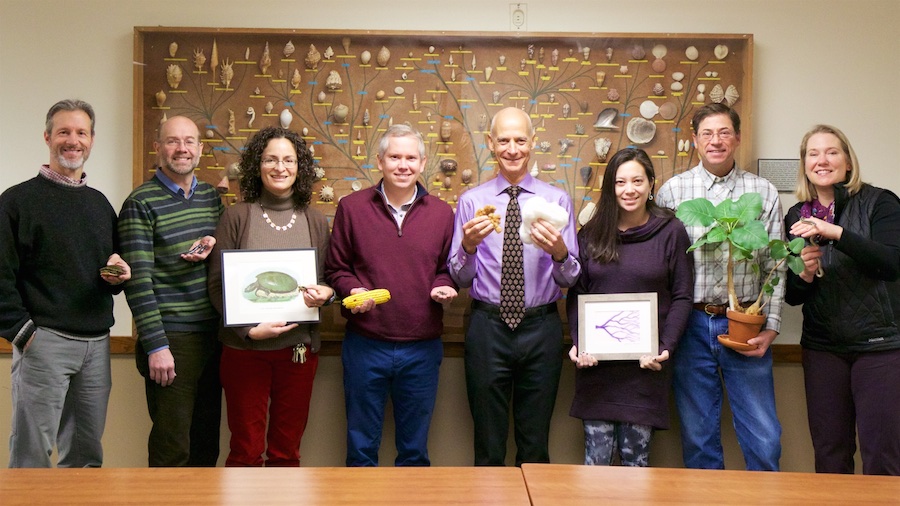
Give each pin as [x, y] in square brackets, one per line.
[278, 227]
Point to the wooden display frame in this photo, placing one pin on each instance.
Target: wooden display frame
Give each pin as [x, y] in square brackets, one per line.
[459, 93]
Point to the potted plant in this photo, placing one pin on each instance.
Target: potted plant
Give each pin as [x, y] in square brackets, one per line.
[737, 223]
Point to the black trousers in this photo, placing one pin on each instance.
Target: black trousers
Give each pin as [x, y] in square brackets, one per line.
[522, 366]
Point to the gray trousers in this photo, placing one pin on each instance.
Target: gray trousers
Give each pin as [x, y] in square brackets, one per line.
[60, 391]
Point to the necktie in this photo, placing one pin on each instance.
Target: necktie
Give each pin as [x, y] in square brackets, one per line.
[512, 272]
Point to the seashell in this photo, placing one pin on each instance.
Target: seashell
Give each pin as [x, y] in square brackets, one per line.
[609, 54]
[502, 59]
[234, 169]
[269, 107]
[714, 73]
[640, 130]
[247, 54]
[403, 76]
[447, 183]
[173, 75]
[691, 53]
[648, 109]
[340, 113]
[379, 95]
[658, 65]
[700, 97]
[328, 53]
[446, 131]
[296, 78]
[333, 81]
[579, 129]
[676, 86]
[399, 90]
[199, 59]
[708, 73]
[584, 106]
[448, 166]
[483, 122]
[606, 117]
[383, 56]
[365, 57]
[678, 76]
[658, 89]
[530, 51]
[601, 76]
[305, 131]
[285, 118]
[488, 72]
[231, 129]
[227, 73]
[453, 74]
[163, 119]
[256, 91]
[541, 55]
[415, 102]
[554, 57]
[721, 51]
[717, 95]
[566, 110]
[214, 58]
[601, 147]
[473, 61]
[731, 95]
[356, 185]
[680, 145]
[320, 172]
[160, 98]
[265, 61]
[701, 87]
[535, 172]
[209, 133]
[321, 97]
[638, 52]
[623, 69]
[661, 152]
[345, 43]
[586, 53]
[585, 173]
[366, 118]
[544, 146]
[288, 49]
[612, 95]
[173, 48]
[522, 64]
[431, 49]
[326, 194]
[668, 110]
[466, 176]
[450, 60]
[313, 57]
[659, 51]
[251, 112]
[587, 213]
[552, 99]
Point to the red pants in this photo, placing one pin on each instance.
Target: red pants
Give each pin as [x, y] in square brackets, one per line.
[250, 380]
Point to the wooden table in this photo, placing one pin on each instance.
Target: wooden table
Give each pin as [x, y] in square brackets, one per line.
[562, 485]
[306, 486]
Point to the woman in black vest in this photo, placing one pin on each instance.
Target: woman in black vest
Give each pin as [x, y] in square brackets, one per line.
[851, 296]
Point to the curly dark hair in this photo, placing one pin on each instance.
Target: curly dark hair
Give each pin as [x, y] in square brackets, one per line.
[251, 176]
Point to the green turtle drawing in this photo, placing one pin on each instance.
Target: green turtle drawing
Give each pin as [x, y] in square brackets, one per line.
[272, 286]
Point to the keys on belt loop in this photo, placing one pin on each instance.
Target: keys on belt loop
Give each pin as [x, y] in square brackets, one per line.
[299, 354]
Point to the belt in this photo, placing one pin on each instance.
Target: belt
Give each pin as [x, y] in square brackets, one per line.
[711, 309]
[529, 313]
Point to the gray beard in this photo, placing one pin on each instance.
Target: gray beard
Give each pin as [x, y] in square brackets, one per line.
[66, 164]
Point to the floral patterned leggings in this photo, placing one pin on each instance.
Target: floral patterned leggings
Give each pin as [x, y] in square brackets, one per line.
[603, 441]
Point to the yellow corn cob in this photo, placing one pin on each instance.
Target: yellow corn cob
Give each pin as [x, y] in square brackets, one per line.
[380, 296]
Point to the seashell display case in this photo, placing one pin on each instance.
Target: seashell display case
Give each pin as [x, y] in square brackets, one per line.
[582, 90]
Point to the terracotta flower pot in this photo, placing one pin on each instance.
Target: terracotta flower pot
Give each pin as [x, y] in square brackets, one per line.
[743, 327]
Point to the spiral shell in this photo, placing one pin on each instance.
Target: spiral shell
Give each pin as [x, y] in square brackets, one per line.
[383, 56]
[333, 81]
[313, 57]
[265, 61]
[288, 49]
[466, 176]
[328, 53]
[160, 98]
[326, 194]
[227, 72]
[173, 48]
[199, 59]
[296, 78]
[269, 107]
[446, 131]
[601, 76]
[173, 76]
[345, 43]
[365, 57]
[340, 113]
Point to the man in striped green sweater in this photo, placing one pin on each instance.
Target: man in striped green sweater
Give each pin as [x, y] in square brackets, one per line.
[165, 227]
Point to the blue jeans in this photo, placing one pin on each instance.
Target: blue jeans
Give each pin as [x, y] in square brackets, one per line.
[698, 362]
[408, 371]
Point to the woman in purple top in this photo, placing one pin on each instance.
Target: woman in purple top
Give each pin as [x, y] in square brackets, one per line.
[630, 245]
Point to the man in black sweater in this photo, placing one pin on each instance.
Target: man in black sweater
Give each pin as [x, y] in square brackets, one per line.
[56, 234]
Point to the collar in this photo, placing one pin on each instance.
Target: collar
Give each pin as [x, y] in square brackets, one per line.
[710, 179]
[501, 184]
[60, 179]
[168, 183]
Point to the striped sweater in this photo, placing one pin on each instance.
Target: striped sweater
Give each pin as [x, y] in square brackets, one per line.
[166, 292]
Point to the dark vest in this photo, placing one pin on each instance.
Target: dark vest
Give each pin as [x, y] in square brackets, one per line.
[851, 311]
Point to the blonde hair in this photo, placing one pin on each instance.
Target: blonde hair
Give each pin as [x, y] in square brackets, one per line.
[805, 190]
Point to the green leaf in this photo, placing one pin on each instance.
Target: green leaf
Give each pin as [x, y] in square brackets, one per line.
[748, 207]
[795, 264]
[696, 212]
[796, 246]
[751, 236]
[716, 235]
[778, 249]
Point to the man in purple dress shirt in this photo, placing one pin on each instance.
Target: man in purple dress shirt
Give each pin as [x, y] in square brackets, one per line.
[521, 361]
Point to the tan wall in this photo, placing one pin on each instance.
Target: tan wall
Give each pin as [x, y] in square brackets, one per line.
[828, 61]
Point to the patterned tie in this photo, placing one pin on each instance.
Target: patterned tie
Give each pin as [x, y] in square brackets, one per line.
[512, 272]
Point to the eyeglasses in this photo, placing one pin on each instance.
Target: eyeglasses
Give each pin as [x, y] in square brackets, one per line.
[190, 142]
[723, 135]
[271, 163]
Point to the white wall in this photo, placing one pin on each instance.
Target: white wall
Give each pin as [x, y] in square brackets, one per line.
[831, 61]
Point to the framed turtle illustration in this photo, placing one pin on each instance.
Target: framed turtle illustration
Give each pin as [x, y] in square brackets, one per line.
[267, 285]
